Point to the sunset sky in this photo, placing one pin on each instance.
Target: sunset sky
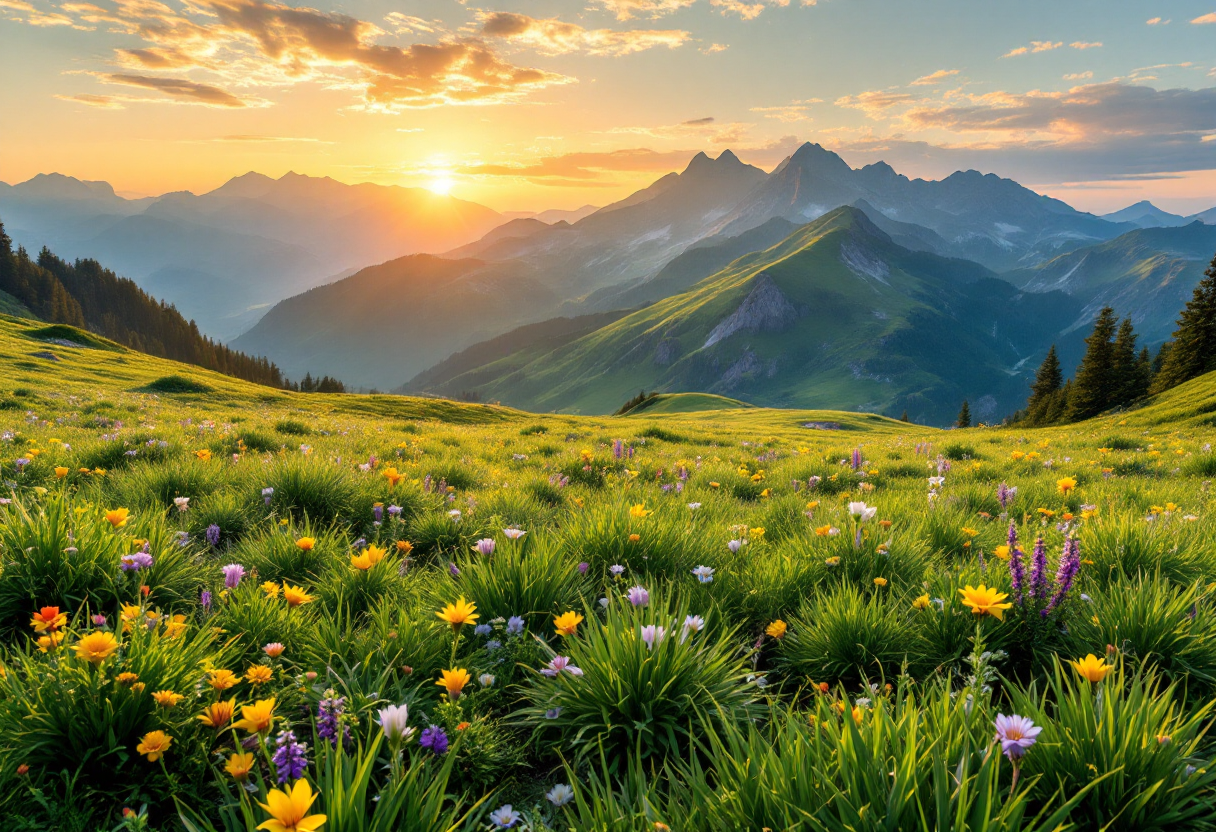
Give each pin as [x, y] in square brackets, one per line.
[558, 103]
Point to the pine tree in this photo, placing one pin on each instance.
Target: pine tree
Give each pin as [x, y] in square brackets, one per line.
[1194, 349]
[964, 415]
[1056, 410]
[1125, 384]
[1093, 389]
[1047, 381]
[904, 417]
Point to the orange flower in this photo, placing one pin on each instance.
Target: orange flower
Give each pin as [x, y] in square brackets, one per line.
[218, 714]
[222, 679]
[256, 718]
[117, 517]
[404, 547]
[776, 629]
[393, 477]
[48, 620]
[306, 543]
[154, 745]
[167, 698]
[258, 674]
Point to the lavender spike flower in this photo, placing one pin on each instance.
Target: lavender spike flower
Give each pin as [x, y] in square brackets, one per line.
[1040, 587]
[856, 459]
[290, 757]
[329, 713]
[1017, 572]
[1070, 565]
[213, 535]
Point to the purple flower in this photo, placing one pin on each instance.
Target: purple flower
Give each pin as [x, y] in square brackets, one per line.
[205, 599]
[705, 574]
[1005, 495]
[559, 663]
[734, 545]
[638, 596]
[515, 625]
[1017, 572]
[618, 448]
[1070, 565]
[233, 573]
[856, 459]
[21, 463]
[99, 620]
[329, 713]
[813, 481]
[435, 740]
[652, 635]
[453, 570]
[213, 535]
[267, 493]
[617, 570]
[482, 630]
[1039, 587]
[504, 817]
[378, 512]
[1016, 734]
[290, 757]
[394, 511]
[583, 567]
[136, 562]
[485, 546]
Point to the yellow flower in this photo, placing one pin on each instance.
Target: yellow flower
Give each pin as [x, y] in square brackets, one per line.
[586, 455]
[96, 647]
[968, 532]
[218, 714]
[258, 674]
[289, 810]
[635, 537]
[239, 765]
[404, 547]
[567, 623]
[361, 562]
[857, 714]
[271, 589]
[306, 543]
[459, 614]
[127, 679]
[117, 517]
[921, 603]
[48, 618]
[167, 698]
[1091, 668]
[984, 601]
[130, 614]
[49, 643]
[222, 679]
[204, 455]
[393, 477]
[638, 510]
[154, 745]
[715, 485]
[454, 681]
[1002, 551]
[880, 582]
[175, 626]
[834, 560]
[1066, 484]
[60, 472]
[776, 629]
[757, 532]
[295, 595]
[256, 718]
[824, 531]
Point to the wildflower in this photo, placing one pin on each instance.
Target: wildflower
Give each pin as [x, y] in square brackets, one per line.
[393, 721]
[127, 679]
[256, 718]
[567, 623]
[583, 567]
[862, 512]
[504, 817]
[393, 477]
[776, 629]
[486, 680]
[562, 663]
[1001, 552]
[306, 543]
[921, 603]
[692, 624]
[705, 574]
[48, 620]
[560, 795]
[435, 740]
[1070, 565]
[267, 493]
[96, 647]
[1016, 734]
[204, 455]
[222, 679]
[233, 573]
[49, 643]
[694, 506]
[880, 582]
[652, 635]
[60, 472]
[459, 614]
[239, 765]
[515, 625]
[117, 517]
[453, 681]
[616, 570]
[290, 757]
[289, 810]
[639, 511]
[258, 674]
[826, 531]
[218, 714]
[635, 538]
[1091, 668]
[154, 745]
[271, 589]
[485, 546]
[1066, 484]
[295, 595]
[167, 698]
[135, 562]
[404, 547]
[834, 560]
[482, 630]
[735, 545]
[182, 503]
[984, 601]
[514, 534]
[212, 535]
[638, 596]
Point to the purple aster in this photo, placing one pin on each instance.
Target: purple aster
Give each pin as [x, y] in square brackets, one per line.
[638, 596]
[233, 573]
[515, 625]
[290, 757]
[213, 535]
[482, 630]
[394, 511]
[435, 740]
[583, 567]
[136, 562]
[205, 599]
[1016, 734]
[559, 663]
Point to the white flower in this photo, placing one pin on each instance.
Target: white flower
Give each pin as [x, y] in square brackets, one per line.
[393, 721]
[705, 574]
[560, 795]
[514, 534]
[936, 482]
[486, 680]
[652, 635]
[182, 503]
[504, 817]
[862, 511]
[694, 506]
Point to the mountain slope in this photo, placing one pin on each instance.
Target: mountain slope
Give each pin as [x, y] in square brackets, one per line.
[1146, 215]
[1148, 274]
[225, 256]
[396, 319]
[836, 313]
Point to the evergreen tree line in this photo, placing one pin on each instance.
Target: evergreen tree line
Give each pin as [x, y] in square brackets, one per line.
[83, 294]
[1114, 374]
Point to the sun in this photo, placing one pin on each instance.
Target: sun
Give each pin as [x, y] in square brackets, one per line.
[441, 184]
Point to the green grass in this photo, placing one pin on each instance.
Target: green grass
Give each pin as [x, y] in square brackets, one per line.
[872, 709]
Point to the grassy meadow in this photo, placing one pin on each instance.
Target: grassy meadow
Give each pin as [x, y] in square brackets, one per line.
[226, 607]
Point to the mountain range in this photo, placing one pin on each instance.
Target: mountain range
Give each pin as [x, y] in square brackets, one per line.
[226, 256]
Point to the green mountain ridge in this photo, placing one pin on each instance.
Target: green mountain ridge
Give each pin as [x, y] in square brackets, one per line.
[836, 313]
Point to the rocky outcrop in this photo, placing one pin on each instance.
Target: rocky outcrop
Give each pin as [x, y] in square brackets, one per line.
[765, 309]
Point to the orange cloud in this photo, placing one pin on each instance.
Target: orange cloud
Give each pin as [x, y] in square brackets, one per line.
[875, 103]
[1035, 46]
[1080, 44]
[1210, 17]
[934, 78]
[179, 89]
[629, 9]
[556, 37]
